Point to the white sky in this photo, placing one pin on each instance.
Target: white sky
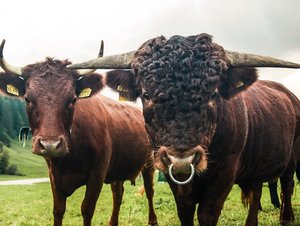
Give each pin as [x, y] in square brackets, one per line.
[65, 29]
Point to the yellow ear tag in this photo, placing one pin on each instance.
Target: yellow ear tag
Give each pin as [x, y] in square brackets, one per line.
[120, 88]
[123, 94]
[85, 93]
[239, 84]
[12, 90]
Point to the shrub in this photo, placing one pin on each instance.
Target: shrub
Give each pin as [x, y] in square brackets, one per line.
[5, 167]
[12, 170]
[4, 161]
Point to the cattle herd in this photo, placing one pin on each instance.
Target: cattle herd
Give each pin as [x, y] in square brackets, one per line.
[207, 123]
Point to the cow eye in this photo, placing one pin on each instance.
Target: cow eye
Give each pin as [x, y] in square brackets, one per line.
[29, 103]
[73, 102]
[27, 100]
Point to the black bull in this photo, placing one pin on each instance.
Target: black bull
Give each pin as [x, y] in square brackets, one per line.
[205, 111]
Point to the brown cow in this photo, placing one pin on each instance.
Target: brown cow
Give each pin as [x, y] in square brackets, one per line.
[205, 113]
[86, 141]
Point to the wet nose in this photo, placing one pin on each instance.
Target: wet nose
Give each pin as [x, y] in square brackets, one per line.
[50, 145]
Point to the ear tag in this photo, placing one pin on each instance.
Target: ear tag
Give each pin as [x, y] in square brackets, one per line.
[85, 93]
[123, 94]
[239, 84]
[12, 90]
[121, 89]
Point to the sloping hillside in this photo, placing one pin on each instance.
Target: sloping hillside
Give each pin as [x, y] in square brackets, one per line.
[28, 164]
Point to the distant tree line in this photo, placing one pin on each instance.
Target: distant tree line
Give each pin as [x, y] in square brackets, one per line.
[12, 118]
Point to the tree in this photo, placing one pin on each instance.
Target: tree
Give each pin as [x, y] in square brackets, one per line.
[12, 118]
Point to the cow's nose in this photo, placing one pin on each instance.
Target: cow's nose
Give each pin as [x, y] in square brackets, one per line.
[50, 145]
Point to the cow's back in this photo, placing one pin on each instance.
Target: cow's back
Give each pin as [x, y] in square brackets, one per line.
[295, 101]
[115, 135]
[271, 129]
[296, 104]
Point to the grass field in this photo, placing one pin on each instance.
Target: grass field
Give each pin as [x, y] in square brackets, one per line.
[32, 205]
[32, 166]
[22, 205]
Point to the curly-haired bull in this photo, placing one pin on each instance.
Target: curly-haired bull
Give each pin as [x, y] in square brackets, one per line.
[205, 112]
[85, 141]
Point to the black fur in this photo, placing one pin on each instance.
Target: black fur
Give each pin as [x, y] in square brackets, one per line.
[181, 75]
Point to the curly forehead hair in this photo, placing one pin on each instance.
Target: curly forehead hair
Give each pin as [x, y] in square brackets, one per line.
[180, 74]
[190, 63]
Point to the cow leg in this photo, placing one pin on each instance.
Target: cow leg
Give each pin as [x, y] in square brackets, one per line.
[117, 189]
[59, 204]
[214, 195]
[88, 205]
[287, 187]
[185, 211]
[252, 197]
[148, 175]
[184, 202]
[274, 194]
[209, 209]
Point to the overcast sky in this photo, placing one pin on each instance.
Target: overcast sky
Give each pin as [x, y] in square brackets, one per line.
[72, 29]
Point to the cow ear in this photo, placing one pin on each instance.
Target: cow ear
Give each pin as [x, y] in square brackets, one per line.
[12, 84]
[88, 85]
[236, 80]
[123, 82]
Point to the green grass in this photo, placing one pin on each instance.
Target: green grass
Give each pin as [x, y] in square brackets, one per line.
[32, 166]
[32, 205]
[24, 205]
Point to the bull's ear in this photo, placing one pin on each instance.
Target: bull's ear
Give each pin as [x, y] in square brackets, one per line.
[88, 85]
[123, 82]
[12, 84]
[236, 80]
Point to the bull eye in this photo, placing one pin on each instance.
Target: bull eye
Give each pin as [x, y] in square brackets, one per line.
[146, 96]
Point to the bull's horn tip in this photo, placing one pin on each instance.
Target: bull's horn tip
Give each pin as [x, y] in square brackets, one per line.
[2, 45]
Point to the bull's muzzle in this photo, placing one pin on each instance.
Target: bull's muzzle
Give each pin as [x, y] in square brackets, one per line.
[181, 164]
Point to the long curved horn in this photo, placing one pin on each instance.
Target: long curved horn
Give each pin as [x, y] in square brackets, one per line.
[83, 72]
[120, 61]
[6, 66]
[251, 60]
[123, 61]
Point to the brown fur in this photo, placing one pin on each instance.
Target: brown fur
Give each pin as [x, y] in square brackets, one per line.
[245, 129]
[100, 140]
